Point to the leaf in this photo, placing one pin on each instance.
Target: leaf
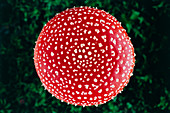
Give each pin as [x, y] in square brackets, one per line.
[129, 27]
[129, 105]
[134, 15]
[159, 5]
[141, 19]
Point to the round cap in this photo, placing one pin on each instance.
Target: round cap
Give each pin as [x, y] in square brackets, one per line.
[83, 56]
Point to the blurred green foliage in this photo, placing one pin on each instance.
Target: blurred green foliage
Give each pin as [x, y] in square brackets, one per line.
[147, 23]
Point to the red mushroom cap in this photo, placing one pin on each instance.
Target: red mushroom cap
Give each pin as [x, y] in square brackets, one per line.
[83, 56]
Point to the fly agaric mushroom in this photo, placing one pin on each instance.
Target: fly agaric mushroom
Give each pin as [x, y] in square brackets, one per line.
[83, 56]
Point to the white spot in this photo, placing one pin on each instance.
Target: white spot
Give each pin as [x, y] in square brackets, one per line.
[112, 86]
[51, 31]
[75, 50]
[123, 75]
[114, 41]
[55, 48]
[98, 75]
[111, 79]
[104, 36]
[107, 89]
[95, 98]
[79, 98]
[117, 80]
[44, 70]
[103, 30]
[85, 56]
[80, 56]
[82, 45]
[97, 30]
[88, 79]
[86, 86]
[111, 32]
[85, 31]
[113, 26]
[87, 47]
[74, 59]
[95, 80]
[100, 45]
[89, 32]
[65, 23]
[100, 91]
[102, 21]
[117, 35]
[91, 17]
[123, 80]
[83, 50]
[106, 83]
[89, 53]
[52, 54]
[89, 92]
[79, 86]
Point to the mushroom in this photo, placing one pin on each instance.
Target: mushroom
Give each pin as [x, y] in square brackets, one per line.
[83, 56]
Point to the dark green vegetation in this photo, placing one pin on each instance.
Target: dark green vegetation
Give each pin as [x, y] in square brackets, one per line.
[147, 23]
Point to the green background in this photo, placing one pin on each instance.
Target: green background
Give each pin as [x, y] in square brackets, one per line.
[147, 23]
